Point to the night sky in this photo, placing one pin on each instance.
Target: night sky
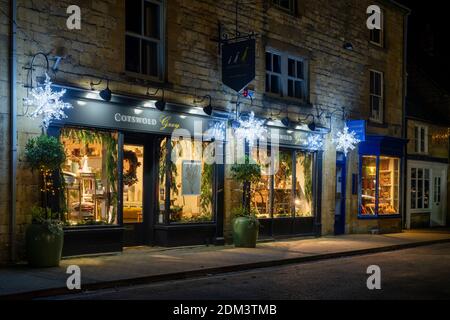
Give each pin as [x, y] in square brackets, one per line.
[428, 45]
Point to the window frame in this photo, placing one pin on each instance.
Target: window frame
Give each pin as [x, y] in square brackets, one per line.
[284, 76]
[380, 119]
[418, 139]
[422, 180]
[377, 215]
[160, 43]
[271, 179]
[381, 43]
[291, 10]
[167, 202]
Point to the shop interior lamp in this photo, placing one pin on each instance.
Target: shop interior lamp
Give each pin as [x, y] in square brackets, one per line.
[106, 93]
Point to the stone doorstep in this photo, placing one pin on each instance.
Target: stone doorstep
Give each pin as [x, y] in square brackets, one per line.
[196, 273]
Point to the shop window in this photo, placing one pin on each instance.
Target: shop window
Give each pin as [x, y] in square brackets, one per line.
[303, 185]
[420, 139]
[282, 190]
[288, 192]
[420, 188]
[90, 175]
[376, 36]
[380, 186]
[190, 187]
[144, 40]
[286, 76]
[376, 96]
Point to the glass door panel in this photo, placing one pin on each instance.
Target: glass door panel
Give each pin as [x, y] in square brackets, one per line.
[133, 186]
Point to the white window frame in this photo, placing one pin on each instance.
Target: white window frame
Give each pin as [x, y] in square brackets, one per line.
[159, 42]
[381, 43]
[380, 117]
[422, 180]
[418, 140]
[284, 76]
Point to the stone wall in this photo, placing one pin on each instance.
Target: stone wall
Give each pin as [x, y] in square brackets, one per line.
[4, 137]
[318, 30]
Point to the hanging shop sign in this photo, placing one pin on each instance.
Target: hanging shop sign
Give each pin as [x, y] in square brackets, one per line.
[238, 64]
[358, 127]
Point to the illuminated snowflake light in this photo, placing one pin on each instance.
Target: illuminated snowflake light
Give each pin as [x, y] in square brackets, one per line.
[47, 103]
[250, 129]
[217, 131]
[314, 142]
[346, 141]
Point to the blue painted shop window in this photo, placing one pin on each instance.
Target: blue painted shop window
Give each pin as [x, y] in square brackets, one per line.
[380, 176]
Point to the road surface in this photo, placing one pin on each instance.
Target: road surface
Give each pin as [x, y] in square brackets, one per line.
[419, 273]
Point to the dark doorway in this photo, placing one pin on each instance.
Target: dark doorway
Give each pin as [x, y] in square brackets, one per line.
[339, 217]
[138, 188]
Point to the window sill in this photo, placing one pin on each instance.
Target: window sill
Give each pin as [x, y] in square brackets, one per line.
[273, 97]
[377, 46]
[146, 80]
[377, 124]
[290, 12]
[376, 217]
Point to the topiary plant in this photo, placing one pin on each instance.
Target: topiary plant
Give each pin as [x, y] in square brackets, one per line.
[246, 173]
[46, 154]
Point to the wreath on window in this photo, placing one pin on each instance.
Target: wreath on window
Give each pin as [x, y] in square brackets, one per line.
[130, 177]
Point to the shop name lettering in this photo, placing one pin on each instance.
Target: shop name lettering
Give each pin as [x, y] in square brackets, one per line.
[164, 121]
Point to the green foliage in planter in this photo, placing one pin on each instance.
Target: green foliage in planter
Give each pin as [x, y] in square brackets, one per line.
[246, 172]
[243, 212]
[47, 218]
[44, 153]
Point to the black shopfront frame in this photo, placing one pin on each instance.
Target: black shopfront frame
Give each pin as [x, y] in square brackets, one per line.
[147, 127]
[274, 227]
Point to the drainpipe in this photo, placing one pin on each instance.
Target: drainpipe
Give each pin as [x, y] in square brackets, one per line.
[13, 127]
[404, 121]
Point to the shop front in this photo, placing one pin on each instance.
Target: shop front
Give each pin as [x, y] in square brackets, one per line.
[127, 183]
[380, 171]
[287, 198]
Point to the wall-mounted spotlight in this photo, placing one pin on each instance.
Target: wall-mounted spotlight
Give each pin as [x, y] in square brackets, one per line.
[161, 103]
[106, 93]
[208, 109]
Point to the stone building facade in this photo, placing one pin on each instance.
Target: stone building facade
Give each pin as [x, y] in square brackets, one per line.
[316, 31]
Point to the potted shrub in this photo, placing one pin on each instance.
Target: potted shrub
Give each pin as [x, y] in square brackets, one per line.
[45, 236]
[245, 223]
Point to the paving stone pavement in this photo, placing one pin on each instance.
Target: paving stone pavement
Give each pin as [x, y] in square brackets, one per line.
[153, 262]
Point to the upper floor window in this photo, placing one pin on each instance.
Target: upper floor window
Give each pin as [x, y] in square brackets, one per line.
[376, 96]
[286, 76]
[284, 4]
[420, 139]
[144, 40]
[376, 35]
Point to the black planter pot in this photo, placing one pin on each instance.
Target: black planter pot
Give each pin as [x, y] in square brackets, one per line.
[43, 247]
